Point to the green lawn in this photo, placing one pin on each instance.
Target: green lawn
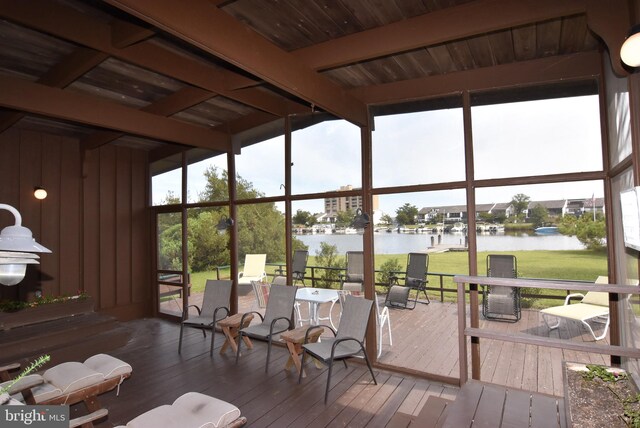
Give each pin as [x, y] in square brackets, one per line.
[584, 265]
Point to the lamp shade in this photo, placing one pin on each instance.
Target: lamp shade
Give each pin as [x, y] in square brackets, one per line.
[361, 220]
[16, 246]
[630, 50]
[13, 266]
[224, 224]
[19, 238]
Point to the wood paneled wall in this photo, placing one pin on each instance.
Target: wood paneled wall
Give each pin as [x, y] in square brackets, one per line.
[94, 219]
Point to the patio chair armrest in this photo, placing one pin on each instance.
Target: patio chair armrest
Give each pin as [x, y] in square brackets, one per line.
[306, 333]
[567, 300]
[197, 308]
[219, 308]
[247, 313]
[344, 339]
[273, 323]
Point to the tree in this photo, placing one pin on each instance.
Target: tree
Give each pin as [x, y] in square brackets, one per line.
[592, 234]
[327, 256]
[520, 203]
[386, 219]
[538, 215]
[304, 218]
[344, 218]
[260, 228]
[406, 214]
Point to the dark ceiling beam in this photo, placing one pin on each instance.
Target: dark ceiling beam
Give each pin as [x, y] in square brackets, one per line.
[70, 24]
[35, 98]
[546, 70]
[74, 65]
[125, 34]
[611, 20]
[445, 25]
[245, 123]
[206, 27]
[183, 99]
[164, 152]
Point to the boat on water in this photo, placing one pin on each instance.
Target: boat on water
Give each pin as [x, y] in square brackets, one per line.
[546, 229]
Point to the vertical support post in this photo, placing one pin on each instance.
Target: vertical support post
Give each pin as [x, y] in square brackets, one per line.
[471, 231]
[233, 237]
[287, 199]
[185, 248]
[369, 274]
[462, 341]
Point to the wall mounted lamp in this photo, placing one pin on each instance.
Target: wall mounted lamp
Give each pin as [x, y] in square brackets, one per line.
[16, 248]
[224, 224]
[361, 220]
[630, 50]
[39, 192]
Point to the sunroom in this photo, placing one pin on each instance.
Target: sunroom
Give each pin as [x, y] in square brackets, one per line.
[455, 128]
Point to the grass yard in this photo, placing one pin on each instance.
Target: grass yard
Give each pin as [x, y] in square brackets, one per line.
[583, 265]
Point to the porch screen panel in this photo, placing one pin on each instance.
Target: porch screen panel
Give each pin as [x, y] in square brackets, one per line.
[261, 167]
[537, 137]
[325, 157]
[422, 147]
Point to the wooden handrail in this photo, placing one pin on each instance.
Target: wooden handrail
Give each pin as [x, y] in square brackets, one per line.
[475, 333]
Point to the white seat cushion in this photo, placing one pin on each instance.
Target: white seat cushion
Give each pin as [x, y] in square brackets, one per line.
[72, 376]
[578, 311]
[191, 410]
[109, 366]
[164, 416]
[206, 410]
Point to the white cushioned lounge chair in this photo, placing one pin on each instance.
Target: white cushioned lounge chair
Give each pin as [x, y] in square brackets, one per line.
[72, 382]
[594, 306]
[191, 410]
[253, 269]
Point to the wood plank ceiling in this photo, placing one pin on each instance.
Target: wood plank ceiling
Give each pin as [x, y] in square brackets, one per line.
[158, 73]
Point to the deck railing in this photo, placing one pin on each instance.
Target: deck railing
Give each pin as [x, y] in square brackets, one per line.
[475, 333]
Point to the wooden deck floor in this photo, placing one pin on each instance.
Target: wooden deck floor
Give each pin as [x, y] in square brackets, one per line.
[426, 340]
[267, 399]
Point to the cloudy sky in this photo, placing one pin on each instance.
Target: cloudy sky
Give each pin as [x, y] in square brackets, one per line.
[510, 140]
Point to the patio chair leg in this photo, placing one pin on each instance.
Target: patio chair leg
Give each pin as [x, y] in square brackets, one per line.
[239, 344]
[213, 336]
[304, 354]
[266, 367]
[326, 391]
[180, 342]
[369, 365]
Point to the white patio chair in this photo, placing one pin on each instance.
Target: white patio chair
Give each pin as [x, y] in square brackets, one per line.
[253, 270]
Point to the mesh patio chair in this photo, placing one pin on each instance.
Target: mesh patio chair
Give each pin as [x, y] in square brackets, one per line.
[382, 316]
[501, 303]
[415, 279]
[298, 266]
[278, 317]
[348, 341]
[215, 306]
[353, 279]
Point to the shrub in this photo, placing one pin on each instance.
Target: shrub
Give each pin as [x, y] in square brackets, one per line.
[328, 257]
[387, 269]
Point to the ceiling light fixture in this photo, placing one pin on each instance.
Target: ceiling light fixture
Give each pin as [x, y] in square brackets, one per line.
[16, 246]
[39, 193]
[630, 50]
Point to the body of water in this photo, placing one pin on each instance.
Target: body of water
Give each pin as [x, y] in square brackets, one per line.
[402, 243]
